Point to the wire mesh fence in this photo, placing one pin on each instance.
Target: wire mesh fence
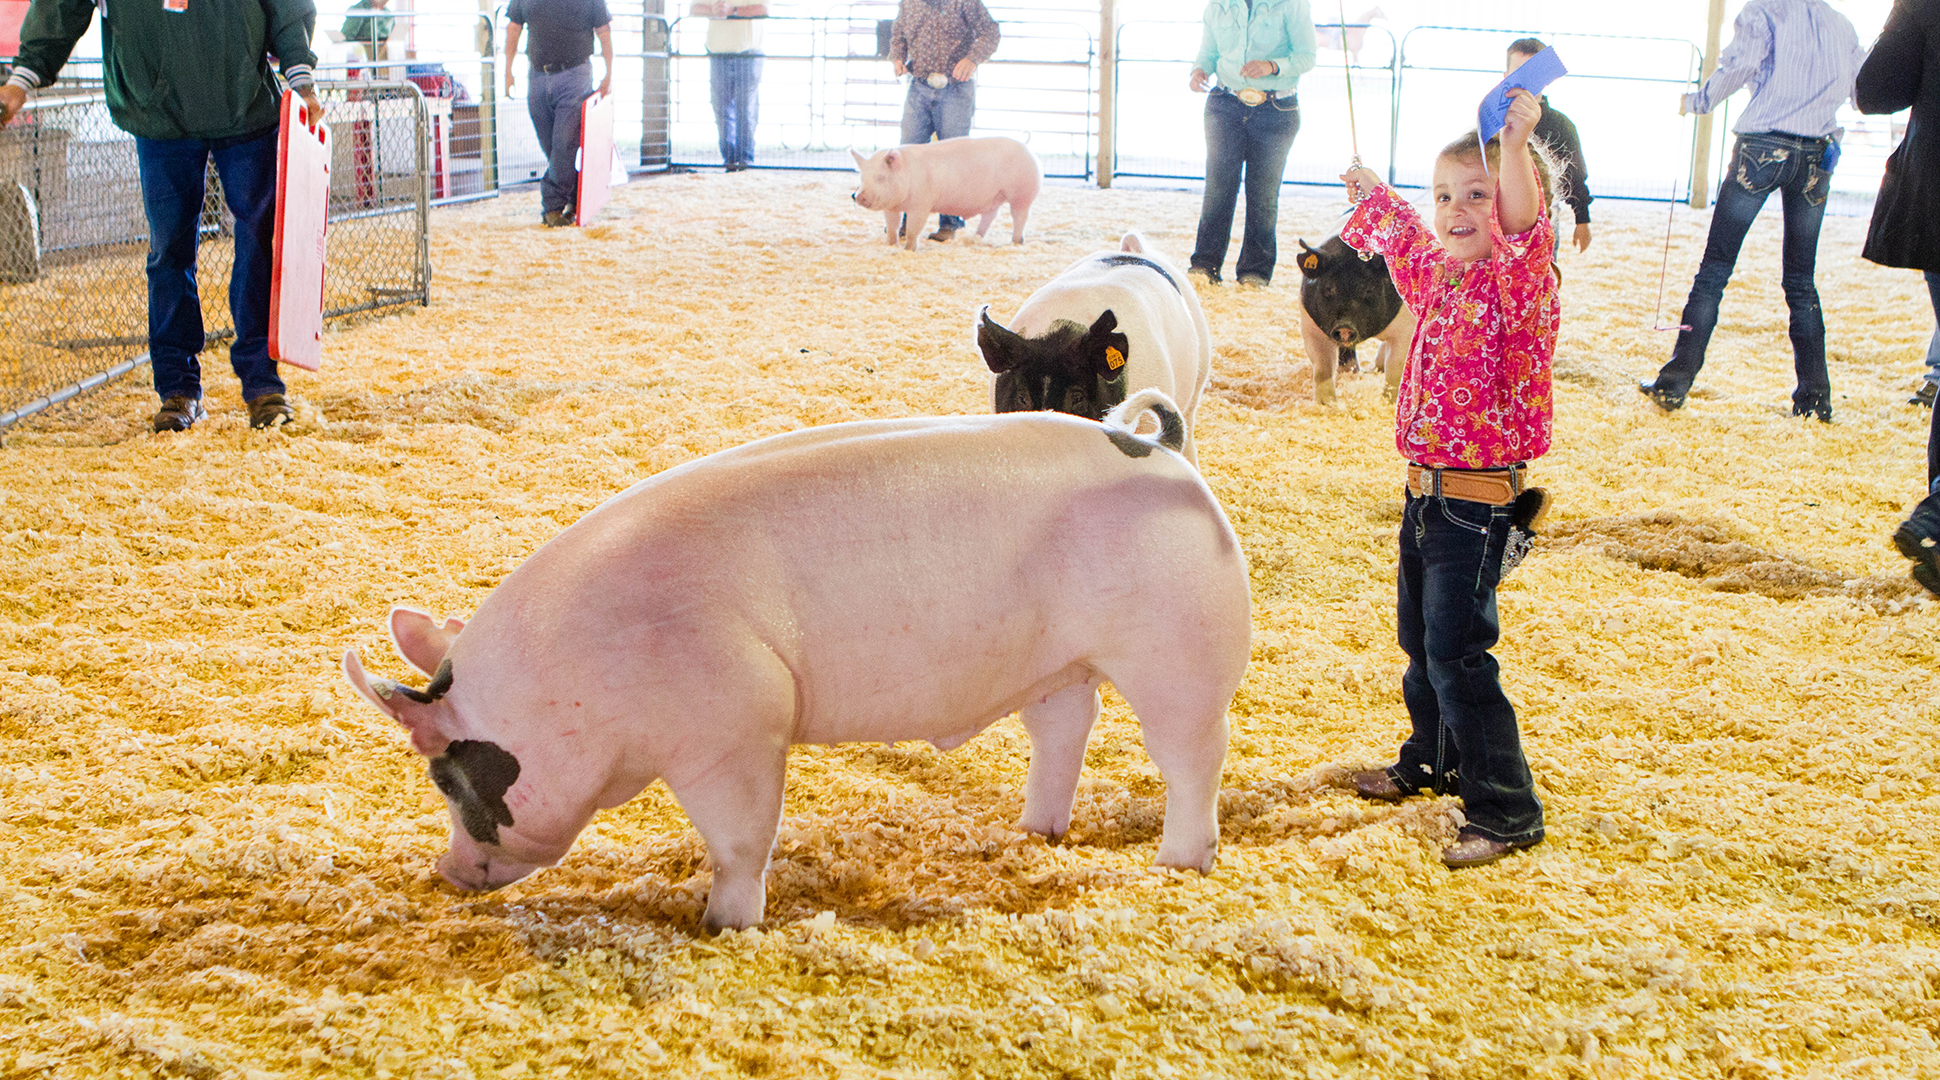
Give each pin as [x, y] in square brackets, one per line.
[74, 236]
[829, 88]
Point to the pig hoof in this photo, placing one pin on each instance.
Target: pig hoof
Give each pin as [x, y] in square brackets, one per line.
[714, 924]
[1201, 861]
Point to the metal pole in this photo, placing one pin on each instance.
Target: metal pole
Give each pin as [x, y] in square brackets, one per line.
[1701, 167]
[487, 99]
[1107, 90]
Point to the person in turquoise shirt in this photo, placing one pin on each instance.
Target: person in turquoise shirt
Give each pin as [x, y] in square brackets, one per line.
[1251, 58]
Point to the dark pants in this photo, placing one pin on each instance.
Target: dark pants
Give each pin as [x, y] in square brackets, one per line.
[1253, 141]
[1464, 739]
[553, 102]
[172, 178]
[944, 113]
[1763, 164]
[735, 79]
[1933, 346]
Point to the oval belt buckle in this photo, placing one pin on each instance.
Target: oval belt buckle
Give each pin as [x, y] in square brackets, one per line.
[938, 80]
[1251, 97]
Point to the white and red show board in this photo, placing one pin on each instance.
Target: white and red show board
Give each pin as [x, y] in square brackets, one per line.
[302, 213]
[595, 155]
[12, 14]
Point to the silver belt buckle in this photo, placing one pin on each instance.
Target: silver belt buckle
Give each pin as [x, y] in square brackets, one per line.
[937, 80]
[1250, 96]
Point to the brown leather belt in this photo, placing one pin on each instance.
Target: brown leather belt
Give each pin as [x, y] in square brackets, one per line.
[1494, 487]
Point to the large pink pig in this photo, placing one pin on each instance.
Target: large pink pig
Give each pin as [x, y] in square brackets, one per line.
[872, 581]
[966, 177]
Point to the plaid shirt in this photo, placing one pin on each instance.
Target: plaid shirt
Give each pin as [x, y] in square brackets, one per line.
[930, 36]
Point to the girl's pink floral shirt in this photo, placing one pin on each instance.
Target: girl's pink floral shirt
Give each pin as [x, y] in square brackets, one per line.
[1476, 393]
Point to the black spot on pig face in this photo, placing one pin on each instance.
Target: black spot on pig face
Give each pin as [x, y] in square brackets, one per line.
[1068, 369]
[475, 776]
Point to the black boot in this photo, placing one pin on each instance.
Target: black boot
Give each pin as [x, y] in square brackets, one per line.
[1918, 538]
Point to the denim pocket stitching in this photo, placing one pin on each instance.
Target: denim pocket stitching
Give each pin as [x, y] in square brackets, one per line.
[1454, 520]
[1765, 161]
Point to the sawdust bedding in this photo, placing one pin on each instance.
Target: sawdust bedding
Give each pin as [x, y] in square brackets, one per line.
[216, 861]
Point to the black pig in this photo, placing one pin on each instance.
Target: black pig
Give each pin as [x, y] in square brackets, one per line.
[1346, 301]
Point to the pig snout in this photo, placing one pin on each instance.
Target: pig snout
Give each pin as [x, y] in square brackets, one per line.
[1346, 335]
[476, 871]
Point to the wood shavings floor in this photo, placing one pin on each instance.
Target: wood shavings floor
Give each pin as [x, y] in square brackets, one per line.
[216, 861]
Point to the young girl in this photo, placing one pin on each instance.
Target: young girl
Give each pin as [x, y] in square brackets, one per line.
[1474, 409]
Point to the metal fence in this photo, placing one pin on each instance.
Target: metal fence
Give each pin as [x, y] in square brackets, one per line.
[74, 237]
[1161, 133]
[832, 89]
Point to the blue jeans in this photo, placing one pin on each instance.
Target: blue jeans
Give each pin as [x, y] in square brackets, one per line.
[172, 177]
[1464, 737]
[553, 102]
[1933, 346]
[735, 78]
[1254, 140]
[944, 113]
[1762, 164]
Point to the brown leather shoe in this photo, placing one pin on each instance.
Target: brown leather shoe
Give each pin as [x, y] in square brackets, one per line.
[178, 413]
[1377, 785]
[943, 236]
[269, 410]
[1471, 848]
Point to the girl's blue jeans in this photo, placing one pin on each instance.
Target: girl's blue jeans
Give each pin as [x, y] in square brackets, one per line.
[1464, 737]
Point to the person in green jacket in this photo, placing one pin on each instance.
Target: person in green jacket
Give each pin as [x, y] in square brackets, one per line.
[191, 81]
[366, 28]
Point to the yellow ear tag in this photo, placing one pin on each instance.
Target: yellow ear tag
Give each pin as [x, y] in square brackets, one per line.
[1311, 262]
[1113, 358]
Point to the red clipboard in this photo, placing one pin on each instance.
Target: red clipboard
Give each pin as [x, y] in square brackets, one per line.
[302, 213]
[595, 155]
[12, 14]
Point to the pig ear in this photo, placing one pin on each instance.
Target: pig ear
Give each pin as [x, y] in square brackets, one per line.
[1132, 242]
[860, 161]
[1311, 262]
[1106, 349]
[393, 701]
[999, 345]
[419, 638]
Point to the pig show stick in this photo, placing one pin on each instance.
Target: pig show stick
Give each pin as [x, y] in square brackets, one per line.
[1663, 272]
[1353, 128]
[1347, 69]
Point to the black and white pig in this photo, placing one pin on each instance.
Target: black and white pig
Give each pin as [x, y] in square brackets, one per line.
[1345, 303]
[872, 581]
[1113, 322]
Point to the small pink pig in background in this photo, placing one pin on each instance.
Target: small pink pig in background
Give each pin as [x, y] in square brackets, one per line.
[965, 177]
[863, 582]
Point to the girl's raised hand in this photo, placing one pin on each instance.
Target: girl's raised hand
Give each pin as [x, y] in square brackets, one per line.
[1524, 111]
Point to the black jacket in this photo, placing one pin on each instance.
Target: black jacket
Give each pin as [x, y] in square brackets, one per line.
[1902, 72]
[1556, 130]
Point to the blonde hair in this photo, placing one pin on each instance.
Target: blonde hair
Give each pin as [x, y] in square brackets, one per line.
[1468, 148]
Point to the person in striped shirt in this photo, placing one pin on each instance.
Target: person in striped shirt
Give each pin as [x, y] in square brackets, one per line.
[1800, 58]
